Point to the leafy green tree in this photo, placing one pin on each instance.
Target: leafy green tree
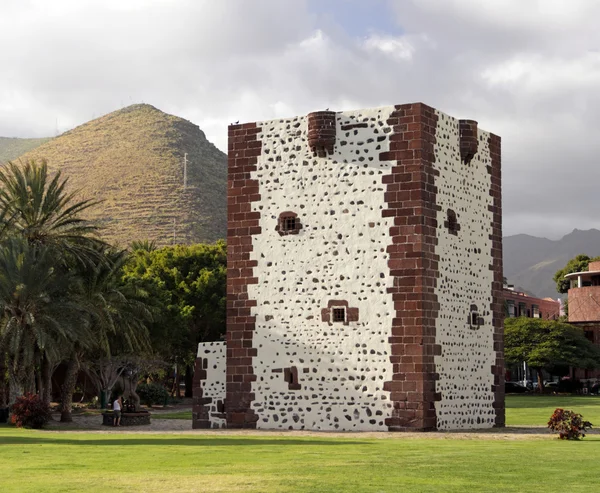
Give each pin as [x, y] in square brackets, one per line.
[578, 264]
[189, 286]
[544, 344]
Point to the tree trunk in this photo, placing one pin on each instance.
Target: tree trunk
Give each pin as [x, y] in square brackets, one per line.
[29, 384]
[39, 386]
[189, 381]
[175, 383]
[68, 387]
[178, 386]
[3, 381]
[103, 398]
[133, 394]
[540, 381]
[46, 393]
[15, 387]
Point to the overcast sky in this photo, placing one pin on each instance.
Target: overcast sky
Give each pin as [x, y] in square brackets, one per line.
[528, 70]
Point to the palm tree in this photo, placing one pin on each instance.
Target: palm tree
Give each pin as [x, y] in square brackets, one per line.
[38, 314]
[42, 223]
[116, 310]
[117, 317]
[37, 207]
[143, 245]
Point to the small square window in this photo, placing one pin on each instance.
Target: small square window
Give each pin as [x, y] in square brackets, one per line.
[289, 223]
[339, 314]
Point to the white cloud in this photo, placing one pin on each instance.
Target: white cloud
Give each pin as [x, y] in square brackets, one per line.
[528, 71]
[395, 47]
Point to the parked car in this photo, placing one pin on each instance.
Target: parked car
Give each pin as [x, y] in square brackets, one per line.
[514, 388]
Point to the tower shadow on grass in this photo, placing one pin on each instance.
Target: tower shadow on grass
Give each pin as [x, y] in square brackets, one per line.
[133, 441]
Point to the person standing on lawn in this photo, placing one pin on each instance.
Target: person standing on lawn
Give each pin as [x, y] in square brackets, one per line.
[117, 411]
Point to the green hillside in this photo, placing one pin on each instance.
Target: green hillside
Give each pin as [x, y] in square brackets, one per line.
[132, 160]
[12, 148]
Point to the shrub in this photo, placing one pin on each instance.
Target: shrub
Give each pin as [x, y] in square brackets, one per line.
[29, 411]
[568, 424]
[152, 393]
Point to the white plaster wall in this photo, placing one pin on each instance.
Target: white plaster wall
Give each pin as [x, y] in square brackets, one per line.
[465, 365]
[214, 386]
[340, 254]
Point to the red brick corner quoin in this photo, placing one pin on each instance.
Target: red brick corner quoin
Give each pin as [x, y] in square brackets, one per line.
[411, 200]
[497, 299]
[242, 223]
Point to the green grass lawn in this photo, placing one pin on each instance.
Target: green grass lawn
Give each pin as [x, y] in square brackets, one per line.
[535, 410]
[173, 415]
[51, 462]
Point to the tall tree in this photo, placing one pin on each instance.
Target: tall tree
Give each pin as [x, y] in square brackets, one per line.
[118, 316]
[37, 207]
[189, 282]
[38, 314]
[577, 264]
[43, 223]
[544, 344]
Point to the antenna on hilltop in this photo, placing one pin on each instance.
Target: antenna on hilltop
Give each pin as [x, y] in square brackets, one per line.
[185, 170]
[57, 126]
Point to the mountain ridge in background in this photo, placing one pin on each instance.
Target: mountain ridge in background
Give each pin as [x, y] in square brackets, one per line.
[132, 161]
[11, 148]
[531, 262]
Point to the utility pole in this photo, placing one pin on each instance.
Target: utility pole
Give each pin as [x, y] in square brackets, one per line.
[185, 170]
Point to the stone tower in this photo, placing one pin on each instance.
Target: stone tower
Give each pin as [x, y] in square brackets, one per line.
[364, 276]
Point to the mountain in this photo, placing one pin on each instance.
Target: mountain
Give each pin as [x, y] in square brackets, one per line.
[531, 262]
[132, 160]
[13, 148]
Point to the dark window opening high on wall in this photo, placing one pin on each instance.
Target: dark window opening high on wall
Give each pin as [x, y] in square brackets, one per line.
[288, 223]
[339, 314]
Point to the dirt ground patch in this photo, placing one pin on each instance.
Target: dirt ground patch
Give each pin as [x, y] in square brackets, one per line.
[93, 424]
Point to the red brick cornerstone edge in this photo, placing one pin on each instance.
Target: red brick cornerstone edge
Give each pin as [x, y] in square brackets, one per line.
[411, 201]
[242, 223]
[497, 299]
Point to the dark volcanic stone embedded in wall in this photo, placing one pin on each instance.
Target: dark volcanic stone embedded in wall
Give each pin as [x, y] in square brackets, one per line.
[468, 140]
[497, 300]
[242, 223]
[411, 201]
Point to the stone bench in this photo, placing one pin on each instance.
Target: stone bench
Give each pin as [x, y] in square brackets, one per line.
[127, 419]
